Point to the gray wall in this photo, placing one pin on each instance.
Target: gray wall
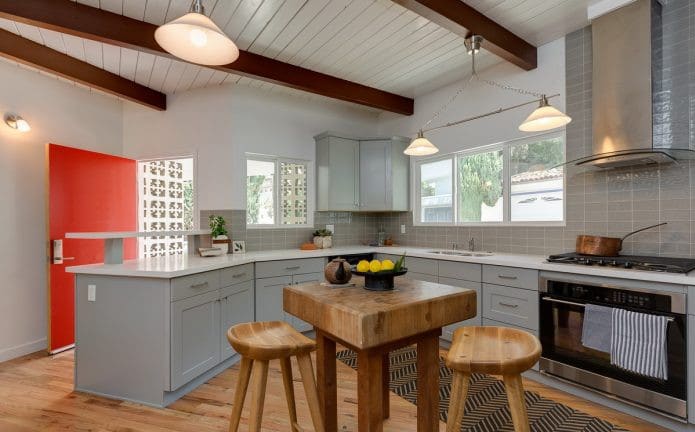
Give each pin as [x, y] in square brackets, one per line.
[604, 203]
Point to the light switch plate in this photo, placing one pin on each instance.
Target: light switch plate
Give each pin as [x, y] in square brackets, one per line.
[331, 228]
[402, 229]
[91, 293]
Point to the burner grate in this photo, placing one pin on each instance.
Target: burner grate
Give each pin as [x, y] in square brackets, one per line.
[635, 262]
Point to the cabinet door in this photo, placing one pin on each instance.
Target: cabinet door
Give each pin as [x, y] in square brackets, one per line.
[195, 337]
[448, 331]
[375, 175]
[269, 298]
[338, 173]
[237, 307]
[298, 324]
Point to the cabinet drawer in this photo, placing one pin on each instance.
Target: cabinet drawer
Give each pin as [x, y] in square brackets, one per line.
[234, 275]
[421, 265]
[511, 305]
[511, 276]
[200, 283]
[289, 267]
[460, 270]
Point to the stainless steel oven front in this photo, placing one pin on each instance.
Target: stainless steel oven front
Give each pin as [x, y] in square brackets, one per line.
[562, 301]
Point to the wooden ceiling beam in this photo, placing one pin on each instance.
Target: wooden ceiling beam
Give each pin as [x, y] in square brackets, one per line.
[32, 54]
[84, 21]
[459, 18]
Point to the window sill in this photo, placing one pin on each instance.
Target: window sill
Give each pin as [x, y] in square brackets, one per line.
[538, 224]
[266, 227]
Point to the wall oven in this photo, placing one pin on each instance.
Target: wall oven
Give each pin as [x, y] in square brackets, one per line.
[563, 298]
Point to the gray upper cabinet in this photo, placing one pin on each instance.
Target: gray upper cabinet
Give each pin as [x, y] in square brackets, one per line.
[337, 173]
[354, 174]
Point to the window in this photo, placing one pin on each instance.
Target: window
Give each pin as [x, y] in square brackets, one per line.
[277, 192]
[166, 203]
[509, 183]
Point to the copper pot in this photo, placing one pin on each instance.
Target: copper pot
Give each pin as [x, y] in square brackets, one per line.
[605, 246]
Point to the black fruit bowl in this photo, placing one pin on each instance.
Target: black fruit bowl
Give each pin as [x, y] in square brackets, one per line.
[379, 281]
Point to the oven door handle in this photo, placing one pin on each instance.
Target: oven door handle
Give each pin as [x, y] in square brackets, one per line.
[553, 300]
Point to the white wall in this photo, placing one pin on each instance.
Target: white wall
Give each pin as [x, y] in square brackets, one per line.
[59, 113]
[479, 98]
[221, 124]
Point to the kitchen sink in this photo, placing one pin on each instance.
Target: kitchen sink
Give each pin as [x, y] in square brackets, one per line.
[460, 253]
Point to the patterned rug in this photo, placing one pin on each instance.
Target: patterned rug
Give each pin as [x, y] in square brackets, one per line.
[486, 405]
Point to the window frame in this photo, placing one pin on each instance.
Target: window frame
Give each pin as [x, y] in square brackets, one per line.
[505, 146]
[277, 160]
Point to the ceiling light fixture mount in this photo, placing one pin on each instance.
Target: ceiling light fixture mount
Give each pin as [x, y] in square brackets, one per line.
[196, 38]
[544, 118]
[18, 123]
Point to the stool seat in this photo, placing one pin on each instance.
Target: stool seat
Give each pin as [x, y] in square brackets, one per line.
[268, 340]
[493, 350]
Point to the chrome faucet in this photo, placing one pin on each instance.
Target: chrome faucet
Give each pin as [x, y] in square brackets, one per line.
[471, 244]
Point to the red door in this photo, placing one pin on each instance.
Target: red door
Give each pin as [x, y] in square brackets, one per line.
[88, 192]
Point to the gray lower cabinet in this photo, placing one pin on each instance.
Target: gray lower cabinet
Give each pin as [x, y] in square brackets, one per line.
[236, 306]
[273, 276]
[691, 371]
[514, 306]
[269, 298]
[195, 337]
[448, 331]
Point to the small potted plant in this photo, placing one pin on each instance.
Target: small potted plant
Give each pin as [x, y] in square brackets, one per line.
[218, 226]
[323, 238]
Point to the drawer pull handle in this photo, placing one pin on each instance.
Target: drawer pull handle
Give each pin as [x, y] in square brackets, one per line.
[507, 277]
[239, 275]
[293, 268]
[200, 285]
[510, 305]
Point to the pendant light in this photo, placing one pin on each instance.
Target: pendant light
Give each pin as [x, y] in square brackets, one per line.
[545, 117]
[421, 146]
[196, 39]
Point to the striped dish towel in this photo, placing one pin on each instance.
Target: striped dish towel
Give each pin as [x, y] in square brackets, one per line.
[638, 343]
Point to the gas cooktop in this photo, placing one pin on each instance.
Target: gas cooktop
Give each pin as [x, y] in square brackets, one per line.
[636, 262]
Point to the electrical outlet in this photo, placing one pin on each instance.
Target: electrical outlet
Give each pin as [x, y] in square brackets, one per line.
[402, 229]
[331, 228]
[91, 293]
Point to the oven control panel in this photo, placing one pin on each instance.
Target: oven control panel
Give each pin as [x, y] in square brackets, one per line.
[610, 296]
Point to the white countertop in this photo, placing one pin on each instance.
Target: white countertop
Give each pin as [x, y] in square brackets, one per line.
[130, 234]
[182, 265]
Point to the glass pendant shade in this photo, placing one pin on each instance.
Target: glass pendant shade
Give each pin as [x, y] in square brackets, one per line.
[195, 38]
[545, 117]
[421, 146]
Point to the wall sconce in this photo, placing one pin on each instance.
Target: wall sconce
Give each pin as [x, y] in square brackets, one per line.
[18, 123]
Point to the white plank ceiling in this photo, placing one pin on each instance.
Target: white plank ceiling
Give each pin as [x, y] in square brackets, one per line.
[373, 42]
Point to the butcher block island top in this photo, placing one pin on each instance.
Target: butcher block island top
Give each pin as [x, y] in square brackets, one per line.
[366, 319]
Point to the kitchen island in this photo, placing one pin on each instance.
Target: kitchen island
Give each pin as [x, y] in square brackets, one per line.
[155, 328]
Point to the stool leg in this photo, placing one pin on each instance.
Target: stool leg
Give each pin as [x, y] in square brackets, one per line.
[457, 401]
[259, 380]
[312, 397]
[240, 393]
[286, 366]
[517, 406]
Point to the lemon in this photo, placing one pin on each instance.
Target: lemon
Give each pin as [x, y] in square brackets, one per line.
[375, 266]
[387, 265]
[363, 266]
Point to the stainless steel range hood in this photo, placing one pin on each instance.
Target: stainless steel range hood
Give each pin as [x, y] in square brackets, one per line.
[626, 68]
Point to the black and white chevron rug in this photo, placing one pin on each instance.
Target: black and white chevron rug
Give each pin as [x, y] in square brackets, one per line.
[486, 405]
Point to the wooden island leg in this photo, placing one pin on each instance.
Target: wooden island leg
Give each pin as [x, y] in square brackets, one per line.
[326, 378]
[428, 383]
[370, 414]
[385, 379]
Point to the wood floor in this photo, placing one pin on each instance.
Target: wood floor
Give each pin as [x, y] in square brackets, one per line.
[36, 395]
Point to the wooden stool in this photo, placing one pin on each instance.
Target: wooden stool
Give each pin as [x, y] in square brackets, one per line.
[494, 351]
[258, 343]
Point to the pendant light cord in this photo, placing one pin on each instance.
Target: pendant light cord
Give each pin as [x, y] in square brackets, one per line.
[474, 75]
